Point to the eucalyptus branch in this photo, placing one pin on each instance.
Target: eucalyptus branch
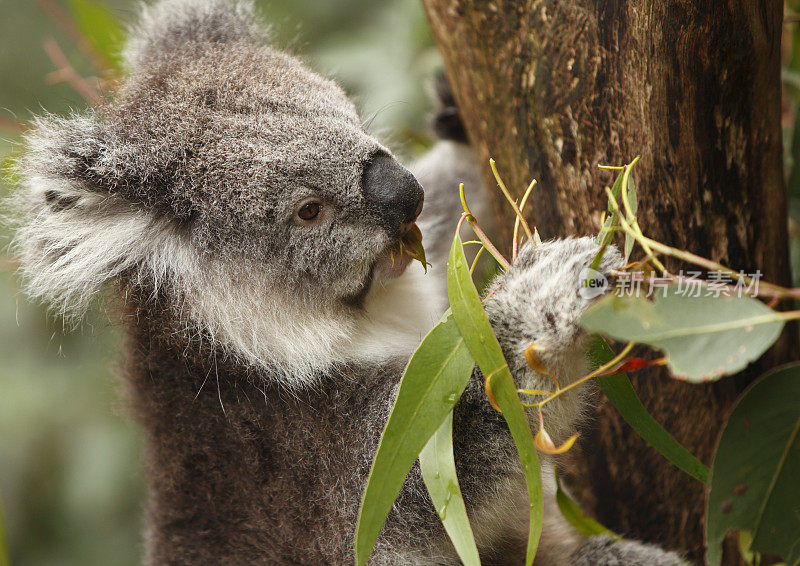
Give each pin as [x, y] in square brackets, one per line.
[65, 72]
[475, 261]
[595, 373]
[67, 25]
[768, 289]
[522, 204]
[510, 200]
[469, 217]
[634, 223]
[644, 260]
[535, 391]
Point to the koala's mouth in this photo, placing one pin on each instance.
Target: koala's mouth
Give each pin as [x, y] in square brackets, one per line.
[392, 262]
[401, 253]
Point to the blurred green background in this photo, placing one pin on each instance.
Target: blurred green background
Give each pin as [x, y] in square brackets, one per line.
[71, 490]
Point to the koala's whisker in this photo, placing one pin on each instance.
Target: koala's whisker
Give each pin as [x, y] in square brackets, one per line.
[219, 393]
[202, 384]
[366, 124]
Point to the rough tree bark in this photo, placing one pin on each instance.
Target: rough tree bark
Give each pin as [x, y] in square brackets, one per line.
[550, 89]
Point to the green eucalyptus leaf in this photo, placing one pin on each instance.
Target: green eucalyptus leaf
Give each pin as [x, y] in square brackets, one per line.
[577, 517]
[633, 201]
[478, 335]
[101, 27]
[611, 221]
[438, 466]
[620, 392]
[755, 476]
[431, 385]
[411, 243]
[702, 337]
[744, 540]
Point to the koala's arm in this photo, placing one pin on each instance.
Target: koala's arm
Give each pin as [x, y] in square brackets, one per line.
[536, 300]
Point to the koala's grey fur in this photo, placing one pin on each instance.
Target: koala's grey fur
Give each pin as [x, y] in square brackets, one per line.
[263, 354]
[608, 552]
[440, 171]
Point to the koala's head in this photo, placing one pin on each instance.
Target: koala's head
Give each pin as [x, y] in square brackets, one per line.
[224, 172]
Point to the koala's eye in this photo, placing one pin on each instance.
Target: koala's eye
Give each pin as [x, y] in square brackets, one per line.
[309, 210]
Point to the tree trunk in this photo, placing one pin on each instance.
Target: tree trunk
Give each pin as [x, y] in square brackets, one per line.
[551, 89]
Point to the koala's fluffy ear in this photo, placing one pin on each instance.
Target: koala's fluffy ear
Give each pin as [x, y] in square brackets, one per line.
[169, 26]
[76, 228]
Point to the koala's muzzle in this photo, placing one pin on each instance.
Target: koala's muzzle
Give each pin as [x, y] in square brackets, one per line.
[392, 193]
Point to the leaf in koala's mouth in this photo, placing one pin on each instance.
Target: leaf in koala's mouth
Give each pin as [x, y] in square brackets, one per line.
[410, 244]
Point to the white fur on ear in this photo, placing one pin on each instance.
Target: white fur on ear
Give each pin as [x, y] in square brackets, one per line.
[72, 235]
[77, 230]
[72, 242]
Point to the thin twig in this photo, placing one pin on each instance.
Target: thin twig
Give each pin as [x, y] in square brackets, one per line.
[598, 372]
[535, 391]
[484, 238]
[467, 215]
[633, 221]
[475, 261]
[769, 289]
[510, 200]
[65, 72]
[522, 204]
[67, 25]
[646, 259]
[11, 124]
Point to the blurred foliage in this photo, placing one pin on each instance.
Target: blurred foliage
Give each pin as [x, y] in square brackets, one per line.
[791, 132]
[71, 488]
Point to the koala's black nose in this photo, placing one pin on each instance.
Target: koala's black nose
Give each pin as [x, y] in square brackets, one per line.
[393, 193]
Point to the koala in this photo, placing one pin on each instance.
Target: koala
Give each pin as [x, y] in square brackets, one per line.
[247, 226]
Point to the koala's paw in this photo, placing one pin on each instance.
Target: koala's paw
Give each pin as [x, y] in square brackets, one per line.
[605, 551]
[542, 295]
[540, 300]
